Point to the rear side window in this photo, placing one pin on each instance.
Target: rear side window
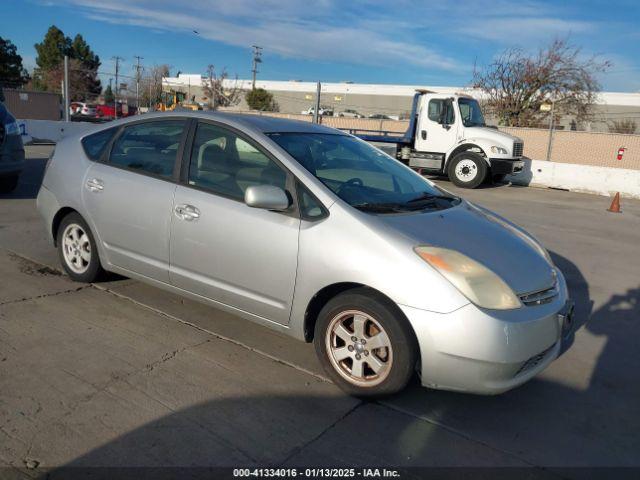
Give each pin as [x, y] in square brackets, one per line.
[150, 147]
[94, 144]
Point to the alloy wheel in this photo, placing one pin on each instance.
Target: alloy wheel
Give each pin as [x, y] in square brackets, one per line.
[76, 248]
[359, 348]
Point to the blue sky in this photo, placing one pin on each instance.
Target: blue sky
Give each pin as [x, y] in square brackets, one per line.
[367, 41]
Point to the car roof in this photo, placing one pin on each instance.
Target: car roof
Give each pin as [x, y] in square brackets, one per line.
[256, 122]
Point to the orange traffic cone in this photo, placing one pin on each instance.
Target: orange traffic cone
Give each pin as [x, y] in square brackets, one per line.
[615, 204]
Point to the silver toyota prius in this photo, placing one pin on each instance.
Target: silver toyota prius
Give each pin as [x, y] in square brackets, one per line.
[314, 233]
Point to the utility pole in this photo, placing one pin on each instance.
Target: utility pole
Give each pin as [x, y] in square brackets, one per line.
[316, 112]
[138, 58]
[257, 58]
[115, 94]
[66, 88]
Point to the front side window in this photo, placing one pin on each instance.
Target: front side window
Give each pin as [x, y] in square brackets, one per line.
[224, 163]
[439, 110]
[360, 174]
[150, 147]
[470, 112]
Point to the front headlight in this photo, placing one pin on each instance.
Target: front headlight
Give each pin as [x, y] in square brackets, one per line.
[475, 281]
[500, 150]
[12, 128]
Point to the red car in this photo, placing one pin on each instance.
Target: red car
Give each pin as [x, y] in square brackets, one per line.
[110, 111]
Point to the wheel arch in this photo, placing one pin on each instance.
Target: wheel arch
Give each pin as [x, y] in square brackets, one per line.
[57, 219]
[324, 295]
[464, 148]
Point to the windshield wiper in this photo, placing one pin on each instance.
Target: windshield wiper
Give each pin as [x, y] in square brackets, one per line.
[379, 207]
[430, 196]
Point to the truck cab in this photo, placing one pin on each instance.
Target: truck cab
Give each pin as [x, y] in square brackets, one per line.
[447, 135]
[452, 137]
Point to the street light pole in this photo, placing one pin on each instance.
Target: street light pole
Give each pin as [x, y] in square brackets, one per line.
[66, 88]
[551, 121]
[115, 94]
[316, 112]
[138, 58]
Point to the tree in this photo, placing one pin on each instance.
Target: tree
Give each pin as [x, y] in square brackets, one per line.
[219, 92]
[52, 49]
[109, 97]
[83, 65]
[151, 84]
[516, 84]
[627, 125]
[12, 73]
[260, 99]
[90, 62]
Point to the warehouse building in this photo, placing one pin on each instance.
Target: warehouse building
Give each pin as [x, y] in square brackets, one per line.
[393, 101]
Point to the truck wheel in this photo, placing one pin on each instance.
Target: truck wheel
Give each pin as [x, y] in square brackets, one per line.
[8, 184]
[365, 344]
[467, 170]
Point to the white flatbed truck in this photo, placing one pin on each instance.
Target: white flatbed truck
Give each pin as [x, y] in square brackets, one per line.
[447, 135]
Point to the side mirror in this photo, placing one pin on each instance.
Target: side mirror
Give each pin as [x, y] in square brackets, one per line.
[267, 197]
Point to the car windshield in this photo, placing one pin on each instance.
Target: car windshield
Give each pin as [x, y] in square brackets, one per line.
[362, 175]
[470, 112]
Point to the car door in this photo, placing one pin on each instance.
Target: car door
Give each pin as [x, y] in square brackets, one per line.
[129, 195]
[437, 130]
[223, 249]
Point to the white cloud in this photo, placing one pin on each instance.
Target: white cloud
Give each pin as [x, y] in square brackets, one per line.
[324, 30]
[522, 30]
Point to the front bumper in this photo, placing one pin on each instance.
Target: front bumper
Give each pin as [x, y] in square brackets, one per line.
[506, 166]
[11, 155]
[489, 351]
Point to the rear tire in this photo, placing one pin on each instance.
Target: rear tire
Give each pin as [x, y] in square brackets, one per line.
[9, 184]
[365, 344]
[467, 170]
[77, 250]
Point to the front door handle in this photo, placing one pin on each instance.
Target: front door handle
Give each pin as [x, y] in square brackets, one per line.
[187, 212]
[95, 185]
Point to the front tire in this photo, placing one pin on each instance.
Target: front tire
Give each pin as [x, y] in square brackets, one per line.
[77, 250]
[365, 344]
[467, 169]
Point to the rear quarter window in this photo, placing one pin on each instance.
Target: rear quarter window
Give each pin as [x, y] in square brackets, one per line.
[95, 144]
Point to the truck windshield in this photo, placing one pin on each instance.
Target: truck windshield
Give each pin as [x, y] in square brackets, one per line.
[362, 175]
[470, 112]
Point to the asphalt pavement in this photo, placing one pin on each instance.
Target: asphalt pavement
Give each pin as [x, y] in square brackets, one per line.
[123, 374]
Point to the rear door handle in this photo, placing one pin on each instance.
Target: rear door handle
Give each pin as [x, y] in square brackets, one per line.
[187, 212]
[95, 185]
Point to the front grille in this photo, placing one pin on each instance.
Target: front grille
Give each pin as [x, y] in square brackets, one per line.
[540, 297]
[518, 148]
[533, 361]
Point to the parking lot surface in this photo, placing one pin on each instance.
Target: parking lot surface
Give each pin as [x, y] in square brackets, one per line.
[123, 374]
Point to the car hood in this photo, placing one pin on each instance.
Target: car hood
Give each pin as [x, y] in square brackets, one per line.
[482, 236]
